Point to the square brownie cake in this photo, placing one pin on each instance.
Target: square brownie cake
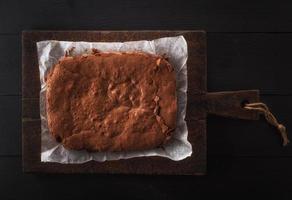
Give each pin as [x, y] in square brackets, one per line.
[116, 101]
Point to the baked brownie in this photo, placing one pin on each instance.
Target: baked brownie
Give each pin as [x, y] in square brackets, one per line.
[111, 101]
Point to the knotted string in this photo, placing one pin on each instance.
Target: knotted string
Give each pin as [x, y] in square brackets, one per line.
[263, 109]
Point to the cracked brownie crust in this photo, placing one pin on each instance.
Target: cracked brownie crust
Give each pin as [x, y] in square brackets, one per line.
[111, 101]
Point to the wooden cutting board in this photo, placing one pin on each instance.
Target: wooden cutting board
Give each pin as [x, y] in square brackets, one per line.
[199, 104]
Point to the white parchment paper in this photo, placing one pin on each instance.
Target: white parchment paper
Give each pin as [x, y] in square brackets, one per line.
[175, 48]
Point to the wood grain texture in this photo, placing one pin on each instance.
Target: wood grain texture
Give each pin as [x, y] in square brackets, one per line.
[31, 86]
[194, 165]
[10, 125]
[256, 180]
[255, 61]
[10, 76]
[213, 16]
[231, 104]
[248, 47]
[262, 57]
[226, 136]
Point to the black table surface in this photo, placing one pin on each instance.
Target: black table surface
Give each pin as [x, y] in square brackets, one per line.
[249, 47]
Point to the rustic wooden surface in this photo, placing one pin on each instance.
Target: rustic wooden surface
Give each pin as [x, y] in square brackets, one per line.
[194, 165]
[249, 44]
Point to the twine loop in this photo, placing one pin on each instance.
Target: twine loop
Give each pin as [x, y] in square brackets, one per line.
[263, 109]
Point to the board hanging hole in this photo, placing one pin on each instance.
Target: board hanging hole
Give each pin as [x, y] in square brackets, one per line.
[244, 102]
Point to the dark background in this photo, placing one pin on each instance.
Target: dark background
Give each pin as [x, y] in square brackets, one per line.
[249, 47]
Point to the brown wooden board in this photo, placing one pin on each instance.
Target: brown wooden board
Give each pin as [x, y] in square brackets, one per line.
[196, 164]
[198, 105]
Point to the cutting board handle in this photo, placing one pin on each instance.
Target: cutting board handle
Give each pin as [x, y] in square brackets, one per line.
[231, 104]
[242, 104]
